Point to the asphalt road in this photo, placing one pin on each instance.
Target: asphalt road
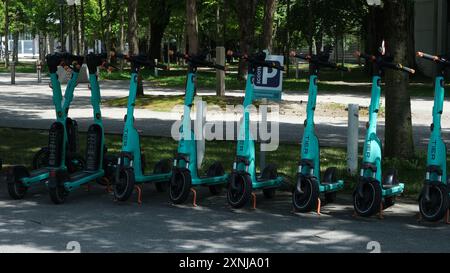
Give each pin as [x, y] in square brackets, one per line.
[95, 223]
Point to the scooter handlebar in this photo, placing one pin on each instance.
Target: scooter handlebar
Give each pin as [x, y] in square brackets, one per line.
[382, 63]
[317, 61]
[140, 60]
[258, 59]
[433, 58]
[198, 60]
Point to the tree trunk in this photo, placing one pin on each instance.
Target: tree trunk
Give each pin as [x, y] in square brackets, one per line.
[192, 26]
[269, 11]
[108, 41]
[246, 16]
[375, 34]
[16, 46]
[75, 29]
[287, 37]
[398, 132]
[6, 33]
[122, 37]
[157, 27]
[411, 35]
[102, 23]
[82, 25]
[133, 38]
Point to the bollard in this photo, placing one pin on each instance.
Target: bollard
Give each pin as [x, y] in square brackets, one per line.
[13, 72]
[156, 68]
[220, 75]
[200, 121]
[262, 154]
[39, 71]
[353, 138]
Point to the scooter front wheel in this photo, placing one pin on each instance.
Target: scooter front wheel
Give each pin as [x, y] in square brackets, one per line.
[434, 205]
[367, 198]
[16, 188]
[306, 194]
[239, 190]
[57, 191]
[180, 185]
[124, 184]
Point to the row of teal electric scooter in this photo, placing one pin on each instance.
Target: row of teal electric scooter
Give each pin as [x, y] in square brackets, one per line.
[63, 170]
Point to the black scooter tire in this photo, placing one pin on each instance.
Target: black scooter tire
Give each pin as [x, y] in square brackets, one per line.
[161, 167]
[239, 190]
[215, 170]
[16, 189]
[439, 203]
[371, 199]
[124, 184]
[57, 191]
[309, 199]
[40, 159]
[180, 185]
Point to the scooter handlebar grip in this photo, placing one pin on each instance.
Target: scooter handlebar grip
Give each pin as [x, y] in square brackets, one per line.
[427, 56]
[406, 69]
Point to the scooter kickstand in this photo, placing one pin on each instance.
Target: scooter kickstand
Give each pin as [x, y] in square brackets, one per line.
[447, 218]
[194, 199]
[253, 200]
[138, 188]
[380, 214]
[108, 185]
[319, 206]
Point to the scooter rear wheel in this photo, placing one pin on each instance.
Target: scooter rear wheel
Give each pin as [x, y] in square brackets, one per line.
[328, 178]
[240, 190]
[180, 185]
[270, 172]
[58, 192]
[367, 198]
[124, 184]
[306, 194]
[215, 170]
[434, 209]
[163, 166]
[40, 159]
[16, 188]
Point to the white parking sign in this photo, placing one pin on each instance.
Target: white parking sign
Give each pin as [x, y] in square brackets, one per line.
[268, 82]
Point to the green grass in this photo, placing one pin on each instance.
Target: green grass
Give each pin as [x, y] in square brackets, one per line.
[28, 67]
[167, 103]
[19, 145]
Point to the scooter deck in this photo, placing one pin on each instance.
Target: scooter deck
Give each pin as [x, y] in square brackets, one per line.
[36, 176]
[339, 185]
[153, 178]
[265, 184]
[79, 178]
[215, 180]
[394, 190]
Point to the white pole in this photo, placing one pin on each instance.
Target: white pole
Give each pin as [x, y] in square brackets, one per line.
[353, 138]
[200, 120]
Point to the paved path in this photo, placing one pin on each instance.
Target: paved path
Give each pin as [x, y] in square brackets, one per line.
[100, 225]
[29, 105]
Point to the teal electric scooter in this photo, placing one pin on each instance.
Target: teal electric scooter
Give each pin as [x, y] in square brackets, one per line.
[185, 173]
[244, 180]
[375, 193]
[131, 162]
[310, 183]
[61, 152]
[434, 199]
[61, 182]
